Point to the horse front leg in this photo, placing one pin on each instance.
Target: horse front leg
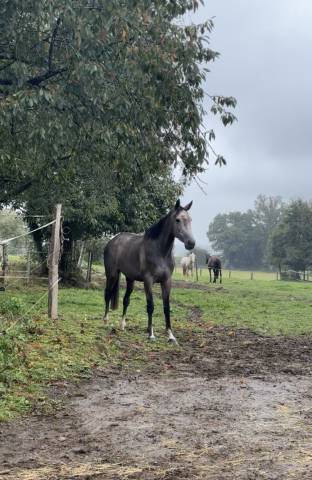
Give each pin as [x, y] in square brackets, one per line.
[220, 275]
[210, 274]
[165, 289]
[148, 284]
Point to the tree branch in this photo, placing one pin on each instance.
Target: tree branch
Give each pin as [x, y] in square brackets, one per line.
[52, 43]
[6, 82]
[35, 81]
[19, 189]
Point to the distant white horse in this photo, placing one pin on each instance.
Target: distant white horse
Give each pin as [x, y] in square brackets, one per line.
[188, 263]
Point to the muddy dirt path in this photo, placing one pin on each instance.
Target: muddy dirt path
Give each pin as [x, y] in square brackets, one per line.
[234, 406]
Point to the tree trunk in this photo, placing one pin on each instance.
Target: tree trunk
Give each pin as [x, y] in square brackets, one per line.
[38, 238]
[69, 270]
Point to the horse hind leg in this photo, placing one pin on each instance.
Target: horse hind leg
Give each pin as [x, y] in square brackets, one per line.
[126, 302]
[108, 293]
[215, 275]
[210, 279]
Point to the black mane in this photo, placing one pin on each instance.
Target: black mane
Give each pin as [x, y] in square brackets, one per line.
[155, 230]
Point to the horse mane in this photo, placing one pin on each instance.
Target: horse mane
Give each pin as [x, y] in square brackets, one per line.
[155, 230]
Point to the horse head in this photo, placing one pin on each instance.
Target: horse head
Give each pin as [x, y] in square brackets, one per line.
[182, 225]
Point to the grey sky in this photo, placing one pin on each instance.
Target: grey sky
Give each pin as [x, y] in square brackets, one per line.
[266, 63]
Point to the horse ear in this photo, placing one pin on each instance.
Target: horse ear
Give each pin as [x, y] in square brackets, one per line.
[177, 205]
[188, 206]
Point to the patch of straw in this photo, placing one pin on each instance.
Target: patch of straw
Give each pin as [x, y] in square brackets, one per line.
[72, 472]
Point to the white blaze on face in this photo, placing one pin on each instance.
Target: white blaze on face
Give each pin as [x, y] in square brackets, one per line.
[183, 226]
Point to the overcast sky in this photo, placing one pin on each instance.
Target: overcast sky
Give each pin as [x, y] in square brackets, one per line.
[266, 63]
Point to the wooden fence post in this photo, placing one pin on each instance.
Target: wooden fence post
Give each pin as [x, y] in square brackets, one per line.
[251, 275]
[28, 268]
[81, 255]
[5, 264]
[230, 273]
[196, 268]
[54, 255]
[90, 259]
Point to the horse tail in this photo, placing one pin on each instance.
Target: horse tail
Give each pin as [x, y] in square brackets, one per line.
[115, 294]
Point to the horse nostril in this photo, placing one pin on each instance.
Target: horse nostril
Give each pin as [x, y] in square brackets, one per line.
[190, 245]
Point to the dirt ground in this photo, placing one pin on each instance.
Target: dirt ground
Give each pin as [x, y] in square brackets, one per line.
[236, 406]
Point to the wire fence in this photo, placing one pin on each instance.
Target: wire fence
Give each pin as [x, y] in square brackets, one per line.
[232, 274]
[23, 265]
[17, 265]
[203, 274]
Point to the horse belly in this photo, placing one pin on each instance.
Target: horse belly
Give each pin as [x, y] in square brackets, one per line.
[130, 267]
[130, 263]
[122, 254]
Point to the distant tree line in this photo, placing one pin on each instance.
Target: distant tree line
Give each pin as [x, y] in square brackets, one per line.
[274, 234]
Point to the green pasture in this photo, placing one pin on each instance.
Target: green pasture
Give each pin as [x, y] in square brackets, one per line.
[203, 275]
[35, 351]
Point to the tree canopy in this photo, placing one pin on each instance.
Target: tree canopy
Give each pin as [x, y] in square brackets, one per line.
[113, 88]
[292, 238]
[99, 102]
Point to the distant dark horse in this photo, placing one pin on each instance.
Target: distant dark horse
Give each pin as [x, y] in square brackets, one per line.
[214, 263]
[146, 258]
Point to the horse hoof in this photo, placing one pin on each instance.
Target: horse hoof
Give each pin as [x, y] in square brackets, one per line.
[173, 341]
[105, 320]
[152, 338]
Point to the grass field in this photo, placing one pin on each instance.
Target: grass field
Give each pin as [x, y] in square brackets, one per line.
[203, 275]
[35, 351]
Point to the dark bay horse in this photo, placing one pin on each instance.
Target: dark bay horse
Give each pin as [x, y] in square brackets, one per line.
[214, 263]
[146, 258]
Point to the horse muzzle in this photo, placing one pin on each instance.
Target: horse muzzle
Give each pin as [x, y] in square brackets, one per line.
[189, 245]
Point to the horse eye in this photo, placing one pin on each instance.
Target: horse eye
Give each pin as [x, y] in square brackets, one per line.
[178, 220]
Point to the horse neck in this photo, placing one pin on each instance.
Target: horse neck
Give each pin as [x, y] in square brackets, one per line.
[165, 239]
